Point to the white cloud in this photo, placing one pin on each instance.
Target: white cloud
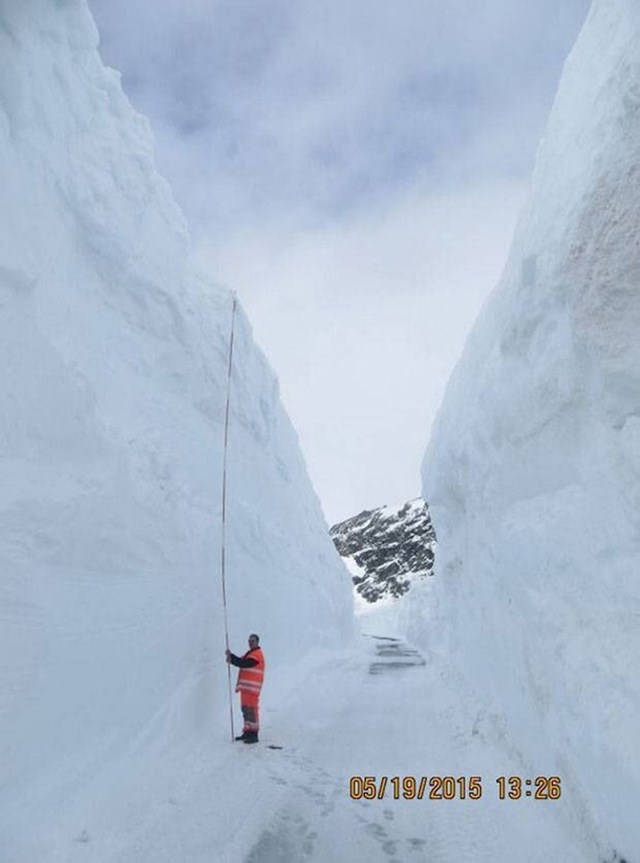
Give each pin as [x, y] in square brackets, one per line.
[363, 321]
[354, 169]
[300, 110]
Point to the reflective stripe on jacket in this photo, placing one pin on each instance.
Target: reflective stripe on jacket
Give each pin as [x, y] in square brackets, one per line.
[250, 679]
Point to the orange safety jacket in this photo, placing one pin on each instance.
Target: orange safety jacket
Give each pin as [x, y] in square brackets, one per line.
[251, 679]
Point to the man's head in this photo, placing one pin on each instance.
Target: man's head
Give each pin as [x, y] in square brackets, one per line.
[254, 641]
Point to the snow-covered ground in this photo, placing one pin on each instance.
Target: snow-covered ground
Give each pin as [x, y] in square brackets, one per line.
[354, 713]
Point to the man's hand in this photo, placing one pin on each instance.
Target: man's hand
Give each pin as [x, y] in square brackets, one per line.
[227, 654]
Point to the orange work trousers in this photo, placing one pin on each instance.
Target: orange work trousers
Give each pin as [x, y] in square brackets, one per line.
[249, 702]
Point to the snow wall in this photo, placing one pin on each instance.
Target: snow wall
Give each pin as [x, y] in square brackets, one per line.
[113, 353]
[533, 470]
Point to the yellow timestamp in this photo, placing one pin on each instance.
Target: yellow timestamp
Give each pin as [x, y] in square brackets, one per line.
[539, 788]
[452, 787]
[415, 788]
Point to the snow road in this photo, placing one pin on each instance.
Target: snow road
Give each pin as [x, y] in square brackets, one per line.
[381, 710]
[395, 722]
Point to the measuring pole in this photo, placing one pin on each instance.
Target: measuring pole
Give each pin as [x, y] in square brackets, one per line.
[224, 506]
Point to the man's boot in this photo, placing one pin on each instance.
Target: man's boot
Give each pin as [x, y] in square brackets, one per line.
[242, 736]
[251, 737]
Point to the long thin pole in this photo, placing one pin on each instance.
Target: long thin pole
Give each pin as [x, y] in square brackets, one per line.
[224, 506]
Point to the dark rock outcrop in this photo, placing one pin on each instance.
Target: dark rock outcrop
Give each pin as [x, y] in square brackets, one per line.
[385, 548]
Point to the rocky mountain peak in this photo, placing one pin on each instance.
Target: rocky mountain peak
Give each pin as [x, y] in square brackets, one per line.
[386, 548]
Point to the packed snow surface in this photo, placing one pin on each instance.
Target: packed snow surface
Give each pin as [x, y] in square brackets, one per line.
[370, 712]
[113, 353]
[533, 470]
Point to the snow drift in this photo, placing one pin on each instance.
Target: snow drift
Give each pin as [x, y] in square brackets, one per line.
[533, 470]
[113, 353]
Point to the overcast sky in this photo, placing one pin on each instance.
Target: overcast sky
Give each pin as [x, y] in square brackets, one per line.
[354, 170]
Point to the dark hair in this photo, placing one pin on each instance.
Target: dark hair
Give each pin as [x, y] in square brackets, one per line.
[257, 637]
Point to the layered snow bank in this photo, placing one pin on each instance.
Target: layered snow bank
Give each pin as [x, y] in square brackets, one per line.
[113, 354]
[533, 471]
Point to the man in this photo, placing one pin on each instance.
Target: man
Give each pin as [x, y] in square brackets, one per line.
[249, 684]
